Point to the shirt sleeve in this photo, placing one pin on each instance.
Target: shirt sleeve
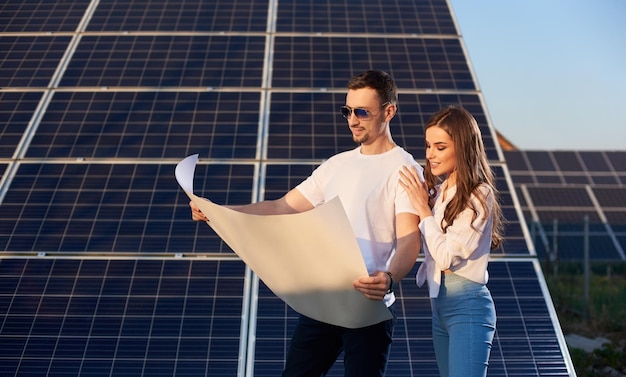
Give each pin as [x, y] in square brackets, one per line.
[311, 187]
[402, 201]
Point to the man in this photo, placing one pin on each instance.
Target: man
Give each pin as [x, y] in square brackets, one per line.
[366, 181]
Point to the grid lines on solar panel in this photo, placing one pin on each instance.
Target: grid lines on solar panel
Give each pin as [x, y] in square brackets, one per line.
[280, 178]
[567, 161]
[562, 212]
[16, 111]
[595, 161]
[610, 197]
[124, 208]
[27, 61]
[148, 125]
[525, 343]
[132, 317]
[560, 197]
[541, 161]
[372, 17]
[180, 15]
[41, 16]
[514, 238]
[328, 62]
[617, 160]
[167, 61]
[309, 125]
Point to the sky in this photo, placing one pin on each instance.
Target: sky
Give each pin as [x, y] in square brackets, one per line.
[552, 72]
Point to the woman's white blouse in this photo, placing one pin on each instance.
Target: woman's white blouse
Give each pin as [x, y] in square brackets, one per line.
[463, 249]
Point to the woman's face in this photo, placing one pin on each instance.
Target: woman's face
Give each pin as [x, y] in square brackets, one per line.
[440, 153]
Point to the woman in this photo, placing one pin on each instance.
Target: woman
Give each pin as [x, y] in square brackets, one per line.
[460, 222]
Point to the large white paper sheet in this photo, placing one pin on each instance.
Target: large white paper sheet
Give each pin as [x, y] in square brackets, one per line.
[308, 259]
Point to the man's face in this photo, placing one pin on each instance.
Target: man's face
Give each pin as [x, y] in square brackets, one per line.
[371, 124]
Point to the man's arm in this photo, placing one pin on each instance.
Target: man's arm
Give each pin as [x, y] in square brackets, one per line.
[407, 249]
[409, 245]
[292, 202]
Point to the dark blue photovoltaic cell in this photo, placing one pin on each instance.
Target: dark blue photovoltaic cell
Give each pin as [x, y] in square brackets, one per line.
[525, 337]
[594, 161]
[414, 63]
[41, 16]
[389, 17]
[124, 208]
[560, 197]
[610, 196]
[281, 178]
[309, 125]
[149, 125]
[190, 15]
[540, 161]
[167, 61]
[16, 111]
[617, 159]
[120, 317]
[567, 161]
[30, 61]
[515, 161]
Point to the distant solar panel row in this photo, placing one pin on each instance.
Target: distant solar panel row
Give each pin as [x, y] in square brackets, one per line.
[560, 190]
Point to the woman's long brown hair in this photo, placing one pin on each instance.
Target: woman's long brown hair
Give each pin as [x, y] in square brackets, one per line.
[472, 169]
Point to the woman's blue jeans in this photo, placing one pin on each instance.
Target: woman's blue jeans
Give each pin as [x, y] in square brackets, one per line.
[464, 323]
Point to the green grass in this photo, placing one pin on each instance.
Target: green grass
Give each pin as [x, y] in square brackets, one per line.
[602, 315]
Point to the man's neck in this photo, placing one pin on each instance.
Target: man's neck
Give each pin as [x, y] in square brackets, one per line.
[378, 148]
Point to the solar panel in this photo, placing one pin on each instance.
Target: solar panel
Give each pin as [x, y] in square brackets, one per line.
[184, 15]
[151, 124]
[41, 16]
[109, 316]
[166, 61]
[617, 159]
[16, 110]
[365, 17]
[323, 62]
[594, 161]
[118, 208]
[30, 61]
[102, 271]
[567, 161]
[525, 341]
[611, 196]
[541, 161]
[558, 202]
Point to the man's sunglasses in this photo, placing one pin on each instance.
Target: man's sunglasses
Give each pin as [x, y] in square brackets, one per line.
[360, 113]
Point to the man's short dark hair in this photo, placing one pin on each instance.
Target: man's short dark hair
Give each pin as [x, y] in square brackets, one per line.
[380, 81]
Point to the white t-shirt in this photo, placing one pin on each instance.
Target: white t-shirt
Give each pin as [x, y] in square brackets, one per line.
[368, 188]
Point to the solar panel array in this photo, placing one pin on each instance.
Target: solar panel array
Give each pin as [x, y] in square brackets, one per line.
[102, 271]
[573, 200]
